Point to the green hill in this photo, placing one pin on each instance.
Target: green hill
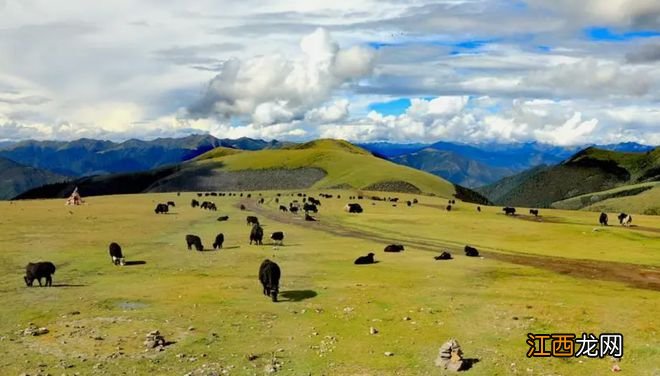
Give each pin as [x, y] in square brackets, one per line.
[320, 164]
[17, 178]
[590, 170]
[643, 198]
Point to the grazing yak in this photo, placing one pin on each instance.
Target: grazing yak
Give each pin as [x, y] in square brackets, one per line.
[415, 201]
[194, 203]
[277, 237]
[509, 210]
[314, 201]
[252, 220]
[471, 251]
[171, 203]
[394, 248]
[256, 234]
[293, 209]
[364, 260]
[194, 240]
[242, 207]
[223, 218]
[277, 200]
[199, 195]
[443, 256]
[448, 207]
[283, 208]
[269, 276]
[603, 219]
[479, 209]
[161, 209]
[309, 218]
[39, 270]
[409, 203]
[310, 208]
[353, 208]
[219, 239]
[625, 219]
[115, 254]
[534, 212]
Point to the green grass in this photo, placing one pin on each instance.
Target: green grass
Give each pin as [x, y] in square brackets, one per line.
[594, 198]
[488, 305]
[647, 202]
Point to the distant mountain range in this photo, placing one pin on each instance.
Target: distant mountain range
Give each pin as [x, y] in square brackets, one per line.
[482, 164]
[17, 178]
[319, 164]
[588, 171]
[86, 157]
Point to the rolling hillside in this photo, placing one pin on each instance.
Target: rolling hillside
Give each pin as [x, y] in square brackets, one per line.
[86, 157]
[590, 170]
[16, 178]
[320, 164]
[643, 198]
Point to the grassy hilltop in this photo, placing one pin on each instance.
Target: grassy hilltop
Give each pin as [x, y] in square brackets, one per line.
[552, 274]
[319, 164]
[588, 173]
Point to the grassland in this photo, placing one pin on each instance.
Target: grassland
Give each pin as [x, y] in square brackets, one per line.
[611, 200]
[552, 274]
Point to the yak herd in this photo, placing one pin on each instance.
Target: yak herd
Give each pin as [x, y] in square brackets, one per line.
[269, 271]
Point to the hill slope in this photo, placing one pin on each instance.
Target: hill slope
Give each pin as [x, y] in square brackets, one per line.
[320, 164]
[16, 178]
[590, 170]
[86, 157]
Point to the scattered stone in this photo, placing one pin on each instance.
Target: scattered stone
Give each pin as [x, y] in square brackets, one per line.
[389, 353]
[33, 330]
[191, 328]
[373, 330]
[251, 357]
[407, 318]
[450, 356]
[155, 341]
[616, 368]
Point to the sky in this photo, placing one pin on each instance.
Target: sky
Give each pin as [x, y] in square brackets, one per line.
[562, 72]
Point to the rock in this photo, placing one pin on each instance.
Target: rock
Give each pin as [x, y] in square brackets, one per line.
[407, 318]
[616, 368]
[155, 341]
[450, 356]
[373, 330]
[389, 353]
[251, 357]
[32, 330]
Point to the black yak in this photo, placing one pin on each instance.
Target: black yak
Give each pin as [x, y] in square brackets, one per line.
[534, 212]
[309, 218]
[448, 208]
[293, 209]
[219, 239]
[415, 201]
[625, 219]
[443, 256]
[509, 210]
[353, 208]
[252, 220]
[310, 208]
[242, 207]
[603, 219]
[471, 251]
[256, 234]
[283, 208]
[409, 203]
[277, 237]
[394, 248]
[194, 240]
[39, 270]
[115, 254]
[194, 203]
[223, 218]
[479, 209]
[161, 209]
[171, 203]
[269, 276]
[363, 260]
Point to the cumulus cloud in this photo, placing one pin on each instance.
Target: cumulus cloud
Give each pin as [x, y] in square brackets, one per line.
[274, 89]
[649, 53]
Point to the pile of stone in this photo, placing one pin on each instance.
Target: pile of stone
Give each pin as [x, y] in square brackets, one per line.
[450, 356]
[155, 341]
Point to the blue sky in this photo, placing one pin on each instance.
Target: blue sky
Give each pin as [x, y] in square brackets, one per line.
[561, 72]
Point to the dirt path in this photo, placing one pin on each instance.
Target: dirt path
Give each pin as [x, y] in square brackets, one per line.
[639, 276]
